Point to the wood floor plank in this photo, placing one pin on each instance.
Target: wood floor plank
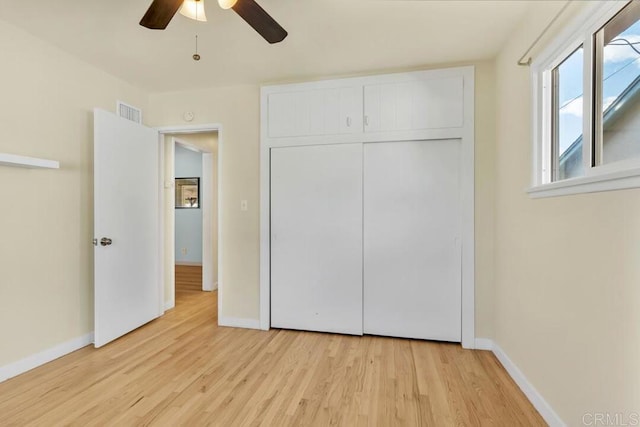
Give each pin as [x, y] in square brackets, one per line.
[182, 369]
[188, 278]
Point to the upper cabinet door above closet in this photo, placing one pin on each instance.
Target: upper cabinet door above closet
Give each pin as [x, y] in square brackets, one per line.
[315, 112]
[415, 104]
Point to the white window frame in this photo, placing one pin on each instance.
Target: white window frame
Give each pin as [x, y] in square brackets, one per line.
[612, 176]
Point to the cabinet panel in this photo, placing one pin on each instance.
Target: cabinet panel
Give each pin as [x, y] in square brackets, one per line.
[350, 106]
[315, 112]
[316, 238]
[414, 105]
[412, 250]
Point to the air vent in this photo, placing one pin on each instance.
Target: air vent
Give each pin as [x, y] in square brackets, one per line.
[129, 112]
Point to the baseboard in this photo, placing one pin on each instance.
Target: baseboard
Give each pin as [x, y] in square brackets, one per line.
[484, 344]
[211, 288]
[189, 263]
[168, 305]
[536, 399]
[236, 322]
[28, 363]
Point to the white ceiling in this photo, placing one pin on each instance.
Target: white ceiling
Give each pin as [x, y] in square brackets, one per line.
[326, 38]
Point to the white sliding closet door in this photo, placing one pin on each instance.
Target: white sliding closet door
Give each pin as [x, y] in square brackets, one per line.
[412, 252]
[316, 238]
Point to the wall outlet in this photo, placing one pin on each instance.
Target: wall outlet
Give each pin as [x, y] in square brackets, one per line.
[184, 251]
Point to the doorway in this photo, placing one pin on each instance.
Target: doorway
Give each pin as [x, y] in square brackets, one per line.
[188, 219]
[190, 206]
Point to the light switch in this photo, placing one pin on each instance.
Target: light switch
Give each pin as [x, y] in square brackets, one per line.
[244, 205]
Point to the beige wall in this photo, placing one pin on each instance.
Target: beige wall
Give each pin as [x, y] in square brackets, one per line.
[46, 256]
[238, 110]
[567, 275]
[485, 106]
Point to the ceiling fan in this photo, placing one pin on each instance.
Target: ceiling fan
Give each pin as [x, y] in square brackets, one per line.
[161, 12]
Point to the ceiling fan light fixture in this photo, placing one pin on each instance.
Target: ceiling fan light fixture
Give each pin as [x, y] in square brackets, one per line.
[227, 4]
[160, 13]
[194, 9]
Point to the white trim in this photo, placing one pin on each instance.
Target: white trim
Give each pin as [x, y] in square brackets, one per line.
[403, 135]
[536, 399]
[30, 362]
[169, 183]
[465, 133]
[169, 305]
[619, 180]
[161, 222]
[484, 344]
[27, 162]
[207, 221]
[188, 129]
[467, 188]
[237, 322]
[219, 167]
[189, 263]
[265, 217]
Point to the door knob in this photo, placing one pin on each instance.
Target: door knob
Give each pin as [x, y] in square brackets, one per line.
[105, 241]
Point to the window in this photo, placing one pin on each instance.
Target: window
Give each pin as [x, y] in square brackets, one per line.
[567, 117]
[617, 67]
[587, 104]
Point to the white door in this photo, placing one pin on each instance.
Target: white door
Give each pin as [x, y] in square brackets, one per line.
[316, 238]
[412, 252]
[126, 226]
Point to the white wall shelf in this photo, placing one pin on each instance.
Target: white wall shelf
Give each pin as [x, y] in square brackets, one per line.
[27, 162]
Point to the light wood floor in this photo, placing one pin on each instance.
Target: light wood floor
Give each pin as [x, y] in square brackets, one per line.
[183, 369]
[188, 278]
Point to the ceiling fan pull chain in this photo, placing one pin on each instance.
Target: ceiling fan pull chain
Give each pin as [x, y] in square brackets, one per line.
[196, 57]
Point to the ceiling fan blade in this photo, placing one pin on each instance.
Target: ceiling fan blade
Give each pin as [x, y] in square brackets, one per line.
[160, 13]
[260, 20]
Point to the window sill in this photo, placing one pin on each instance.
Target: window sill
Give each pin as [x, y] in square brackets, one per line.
[610, 181]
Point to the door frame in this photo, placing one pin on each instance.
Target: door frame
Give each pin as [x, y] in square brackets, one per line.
[189, 130]
[465, 133]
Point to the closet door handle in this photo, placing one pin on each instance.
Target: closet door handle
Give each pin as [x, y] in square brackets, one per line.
[366, 120]
[348, 122]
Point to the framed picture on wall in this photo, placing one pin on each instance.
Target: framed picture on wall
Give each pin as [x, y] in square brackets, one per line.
[187, 193]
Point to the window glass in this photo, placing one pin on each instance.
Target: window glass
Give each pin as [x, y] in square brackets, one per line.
[567, 120]
[618, 86]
